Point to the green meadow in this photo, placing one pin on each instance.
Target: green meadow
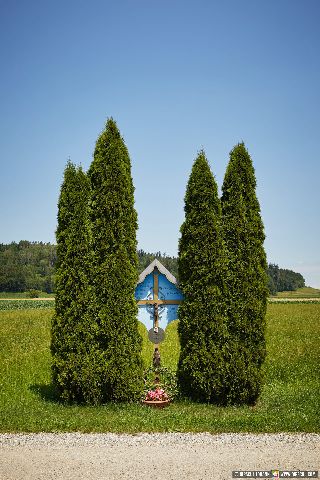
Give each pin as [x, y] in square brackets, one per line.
[304, 292]
[289, 401]
[22, 295]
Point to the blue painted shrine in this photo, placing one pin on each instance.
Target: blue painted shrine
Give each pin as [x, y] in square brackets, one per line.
[157, 293]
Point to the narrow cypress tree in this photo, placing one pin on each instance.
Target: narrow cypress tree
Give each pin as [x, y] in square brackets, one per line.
[72, 325]
[202, 271]
[247, 283]
[114, 223]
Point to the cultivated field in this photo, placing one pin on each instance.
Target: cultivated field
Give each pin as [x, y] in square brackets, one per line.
[289, 401]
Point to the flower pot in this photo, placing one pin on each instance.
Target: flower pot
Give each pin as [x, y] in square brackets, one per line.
[156, 403]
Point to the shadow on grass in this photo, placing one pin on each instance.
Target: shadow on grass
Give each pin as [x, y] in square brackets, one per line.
[45, 392]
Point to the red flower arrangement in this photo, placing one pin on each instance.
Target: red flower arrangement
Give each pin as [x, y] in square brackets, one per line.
[156, 395]
[157, 398]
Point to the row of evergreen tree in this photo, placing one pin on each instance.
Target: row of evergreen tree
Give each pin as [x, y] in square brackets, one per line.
[28, 265]
[95, 345]
[222, 272]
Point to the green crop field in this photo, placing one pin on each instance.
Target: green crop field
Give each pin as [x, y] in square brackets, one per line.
[25, 304]
[289, 401]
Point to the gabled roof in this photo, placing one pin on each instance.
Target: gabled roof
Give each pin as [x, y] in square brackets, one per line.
[161, 269]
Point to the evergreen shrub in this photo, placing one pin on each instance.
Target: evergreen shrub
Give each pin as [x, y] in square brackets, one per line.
[247, 279]
[74, 326]
[202, 265]
[118, 366]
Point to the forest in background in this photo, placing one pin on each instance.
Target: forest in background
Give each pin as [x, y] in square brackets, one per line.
[31, 265]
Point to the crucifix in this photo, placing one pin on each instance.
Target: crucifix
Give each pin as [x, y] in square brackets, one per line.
[155, 303]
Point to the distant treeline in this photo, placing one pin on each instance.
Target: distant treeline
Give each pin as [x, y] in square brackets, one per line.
[283, 280]
[279, 279]
[30, 265]
[27, 265]
[171, 263]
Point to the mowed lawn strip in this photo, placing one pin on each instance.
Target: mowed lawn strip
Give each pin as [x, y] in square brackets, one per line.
[289, 401]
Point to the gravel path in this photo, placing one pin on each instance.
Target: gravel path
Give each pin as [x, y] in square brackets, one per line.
[146, 456]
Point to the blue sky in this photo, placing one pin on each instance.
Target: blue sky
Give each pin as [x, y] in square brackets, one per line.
[177, 76]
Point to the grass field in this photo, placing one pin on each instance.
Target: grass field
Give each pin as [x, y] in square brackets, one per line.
[289, 401]
[18, 295]
[304, 292]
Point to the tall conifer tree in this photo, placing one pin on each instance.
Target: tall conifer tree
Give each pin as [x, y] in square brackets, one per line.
[202, 273]
[114, 223]
[247, 285]
[72, 325]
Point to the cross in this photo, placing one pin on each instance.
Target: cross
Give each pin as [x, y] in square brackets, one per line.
[157, 302]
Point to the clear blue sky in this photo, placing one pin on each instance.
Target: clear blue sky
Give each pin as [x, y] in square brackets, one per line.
[177, 76]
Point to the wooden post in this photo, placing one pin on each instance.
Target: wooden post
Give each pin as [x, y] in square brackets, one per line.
[155, 299]
[155, 302]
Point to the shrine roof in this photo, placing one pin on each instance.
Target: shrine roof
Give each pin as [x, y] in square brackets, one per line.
[162, 269]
